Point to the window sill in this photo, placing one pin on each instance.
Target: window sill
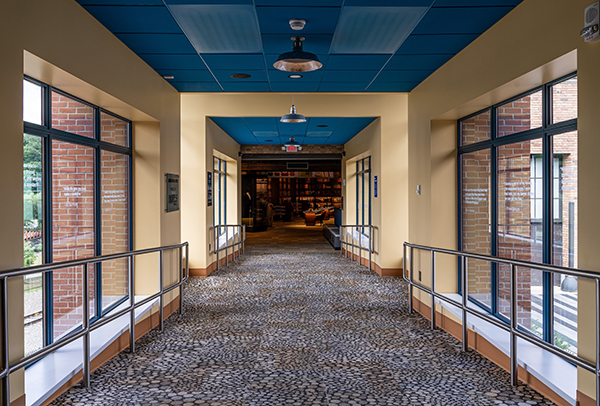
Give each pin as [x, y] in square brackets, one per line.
[554, 372]
[49, 374]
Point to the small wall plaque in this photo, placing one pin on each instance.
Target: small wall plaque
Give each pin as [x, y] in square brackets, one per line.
[172, 192]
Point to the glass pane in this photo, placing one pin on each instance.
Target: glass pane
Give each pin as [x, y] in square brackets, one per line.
[32, 241]
[359, 206]
[72, 227]
[67, 299]
[32, 103]
[520, 115]
[564, 101]
[114, 130]
[529, 297]
[519, 237]
[476, 129]
[565, 240]
[476, 225]
[115, 225]
[72, 116]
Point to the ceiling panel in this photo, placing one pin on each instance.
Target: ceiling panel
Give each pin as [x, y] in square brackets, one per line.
[198, 75]
[135, 19]
[364, 45]
[219, 29]
[225, 75]
[173, 61]
[461, 20]
[319, 123]
[157, 43]
[319, 20]
[261, 124]
[234, 61]
[436, 44]
[374, 30]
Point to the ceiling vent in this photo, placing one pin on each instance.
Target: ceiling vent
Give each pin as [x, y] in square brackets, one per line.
[297, 166]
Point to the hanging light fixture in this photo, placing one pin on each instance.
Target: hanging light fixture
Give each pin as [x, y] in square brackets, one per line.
[293, 117]
[297, 60]
[291, 145]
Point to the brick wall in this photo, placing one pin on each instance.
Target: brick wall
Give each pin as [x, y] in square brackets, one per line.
[114, 130]
[115, 235]
[72, 116]
[72, 227]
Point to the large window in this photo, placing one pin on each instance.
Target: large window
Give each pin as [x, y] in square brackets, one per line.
[518, 172]
[363, 193]
[76, 196]
[220, 192]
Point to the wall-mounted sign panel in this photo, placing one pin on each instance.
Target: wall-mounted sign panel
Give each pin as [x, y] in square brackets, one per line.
[375, 184]
[209, 189]
[172, 192]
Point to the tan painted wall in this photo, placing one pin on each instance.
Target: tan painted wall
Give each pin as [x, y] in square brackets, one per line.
[535, 43]
[59, 43]
[391, 127]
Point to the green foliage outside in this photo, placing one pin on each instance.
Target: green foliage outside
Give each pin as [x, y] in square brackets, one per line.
[560, 340]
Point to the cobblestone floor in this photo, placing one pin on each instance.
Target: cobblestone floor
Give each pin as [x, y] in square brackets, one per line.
[289, 325]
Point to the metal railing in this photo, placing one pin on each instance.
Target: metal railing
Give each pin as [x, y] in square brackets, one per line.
[512, 328]
[357, 234]
[86, 328]
[237, 236]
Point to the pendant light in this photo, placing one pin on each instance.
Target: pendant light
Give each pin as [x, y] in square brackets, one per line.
[297, 60]
[293, 117]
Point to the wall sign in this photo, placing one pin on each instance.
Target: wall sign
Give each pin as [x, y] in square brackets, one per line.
[172, 192]
[375, 184]
[209, 188]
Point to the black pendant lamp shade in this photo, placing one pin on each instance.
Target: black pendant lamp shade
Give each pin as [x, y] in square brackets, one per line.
[297, 60]
[292, 142]
[293, 117]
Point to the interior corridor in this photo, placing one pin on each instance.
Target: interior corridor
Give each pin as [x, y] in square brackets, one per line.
[292, 322]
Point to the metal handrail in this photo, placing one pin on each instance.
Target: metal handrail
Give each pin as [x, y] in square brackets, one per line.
[85, 263]
[241, 240]
[513, 329]
[360, 246]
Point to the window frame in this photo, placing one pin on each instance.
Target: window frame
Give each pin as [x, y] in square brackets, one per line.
[361, 192]
[220, 178]
[545, 134]
[48, 134]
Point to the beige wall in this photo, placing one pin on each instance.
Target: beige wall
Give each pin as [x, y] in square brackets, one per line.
[59, 43]
[390, 132]
[535, 43]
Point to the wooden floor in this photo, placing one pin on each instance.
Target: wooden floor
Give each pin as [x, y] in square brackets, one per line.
[292, 237]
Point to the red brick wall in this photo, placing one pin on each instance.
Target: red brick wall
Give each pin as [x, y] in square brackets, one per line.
[72, 116]
[114, 130]
[476, 129]
[72, 227]
[115, 235]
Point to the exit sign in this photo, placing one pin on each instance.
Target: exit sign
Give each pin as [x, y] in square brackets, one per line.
[291, 148]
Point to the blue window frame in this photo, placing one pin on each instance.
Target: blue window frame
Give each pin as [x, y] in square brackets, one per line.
[517, 199]
[62, 135]
[220, 195]
[363, 192]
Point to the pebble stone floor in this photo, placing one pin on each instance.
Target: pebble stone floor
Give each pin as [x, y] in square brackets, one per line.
[293, 323]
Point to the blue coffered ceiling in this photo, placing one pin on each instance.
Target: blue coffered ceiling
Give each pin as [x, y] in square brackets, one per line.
[364, 45]
[270, 131]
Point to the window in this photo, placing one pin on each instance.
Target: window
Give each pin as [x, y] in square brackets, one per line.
[363, 193]
[76, 185]
[518, 199]
[220, 192]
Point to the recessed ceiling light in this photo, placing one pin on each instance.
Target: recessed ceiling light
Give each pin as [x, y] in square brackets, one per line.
[294, 76]
[241, 76]
[268, 140]
[169, 77]
[322, 125]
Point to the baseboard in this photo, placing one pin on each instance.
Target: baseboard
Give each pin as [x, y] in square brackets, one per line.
[20, 401]
[204, 272]
[141, 328]
[585, 400]
[383, 272]
[488, 350]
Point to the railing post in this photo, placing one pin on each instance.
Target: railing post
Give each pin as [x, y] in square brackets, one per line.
[432, 290]
[597, 342]
[244, 242]
[371, 232]
[132, 303]
[514, 361]
[226, 246]
[410, 278]
[180, 279]
[86, 325]
[5, 363]
[160, 287]
[465, 293]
